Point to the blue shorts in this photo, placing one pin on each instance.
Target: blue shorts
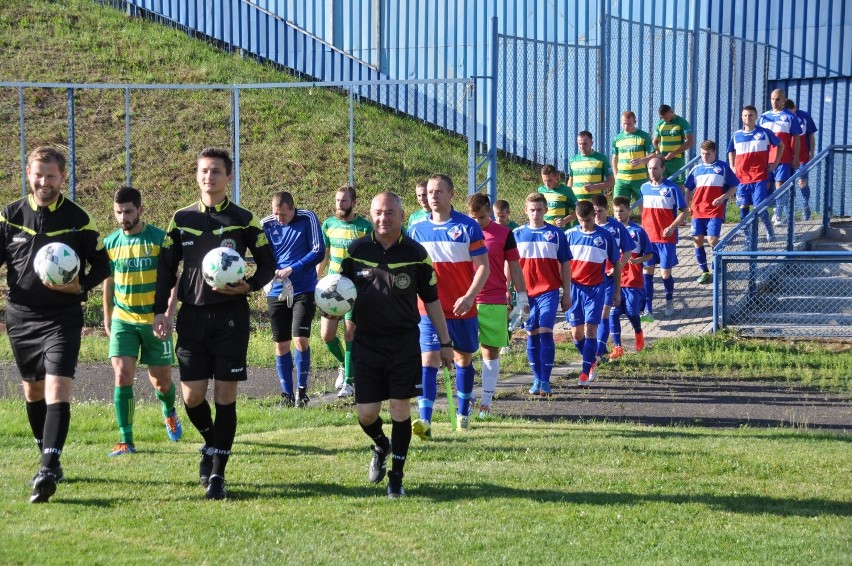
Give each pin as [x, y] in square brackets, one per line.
[707, 226]
[783, 172]
[543, 309]
[632, 302]
[749, 194]
[665, 255]
[464, 333]
[587, 303]
[609, 290]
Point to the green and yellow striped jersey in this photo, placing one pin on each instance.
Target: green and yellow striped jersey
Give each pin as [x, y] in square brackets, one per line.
[338, 234]
[586, 169]
[133, 261]
[629, 146]
[672, 134]
[560, 201]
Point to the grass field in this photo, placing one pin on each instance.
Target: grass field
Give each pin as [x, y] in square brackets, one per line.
[509, 492]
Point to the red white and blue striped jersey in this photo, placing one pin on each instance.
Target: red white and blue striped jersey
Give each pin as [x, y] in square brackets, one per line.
[752, 153]
[660, 206]
[709, 181]
[806, 123]
[589, 252]
[619, 233]
[451, 245]
[785, 125]
[542, 252]
[631, 275]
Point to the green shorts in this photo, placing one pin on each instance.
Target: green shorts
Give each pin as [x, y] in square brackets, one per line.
[493, 325]
[127, 339]
[629, 189]
[671, 168]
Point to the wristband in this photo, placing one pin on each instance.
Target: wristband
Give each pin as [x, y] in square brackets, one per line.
[447, 344]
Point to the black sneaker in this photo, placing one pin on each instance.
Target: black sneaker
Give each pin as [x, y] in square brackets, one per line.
[60, 475]
[44, 485]
[378, 465]
[302, 398]
[205, 467]
[395, 489]
[287, 400]
[216, 488]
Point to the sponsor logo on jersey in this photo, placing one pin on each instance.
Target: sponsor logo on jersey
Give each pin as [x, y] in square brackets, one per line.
[19, 239]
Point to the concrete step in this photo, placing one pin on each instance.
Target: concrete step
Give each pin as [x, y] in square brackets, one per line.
[799, 319]
[840, 231]
[838, 285]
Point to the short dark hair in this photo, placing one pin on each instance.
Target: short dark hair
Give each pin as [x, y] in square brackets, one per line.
[446, 179]
[283, 197]
[750, 108]
[549, 170]
[598, 200]
[584, 208]
[501, 205]
[789, 104]
[47, 154]
[128, 194]
[621, 201]
[708, 145]
[664, 109]
[347, 189]
[478, 200]
[218, 153]
[585, 134]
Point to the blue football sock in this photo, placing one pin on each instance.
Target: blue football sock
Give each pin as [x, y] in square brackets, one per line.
[547, 354]
[668, 284]
[579, 345]
[764, 217]
[430, 393]
[534, 354]
[806, 194]
[284, 365]
[701, 257]
[615, 325]
[635, 322]
[649, 291]
[603, 335]
[303, 366]
[464, 387]
[743, 213]
[590, 351]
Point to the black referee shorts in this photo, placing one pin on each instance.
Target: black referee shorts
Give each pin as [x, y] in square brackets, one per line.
[212, 341]
[45, 341]
[286, 322]
[388, 367]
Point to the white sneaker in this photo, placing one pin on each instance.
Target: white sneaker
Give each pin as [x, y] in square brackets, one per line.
[777, 222]
[593, 372]
[341, 378]
[505, 351]
[669, 310]
[346, 391]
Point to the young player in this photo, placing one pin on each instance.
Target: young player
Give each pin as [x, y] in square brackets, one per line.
[560, 198]
[807, 144]
[632, 283]
[748, 154]
[543, 252]
[213, 323]
[492, 302]
[711, 183]
[338, 232]
[624, 244]
[44, 321]
[589, 172]
[423, 200]
[457, 248]
[297, 244]
[785, 126]
[663, 210]
[503, 214]
[589, 248]
[134, 251]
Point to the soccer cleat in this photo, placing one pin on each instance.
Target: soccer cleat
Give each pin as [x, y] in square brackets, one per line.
[583, 380]
[806, 214]
[640, 341]
[216, 488]
[57, 471]
[544, 389]
[378, 465]
[505, 351]
[669, 310]
[173, 426]
[777, 222]
[287, 400]
[646, 316]
[705, 278]
[395, 489]
[301, 400]
[122, 448]
[617, 352]
[44, 485]
[484, 412]
[205, 467]
[463, 422]
[536, 387]
[422, 429]
[346, 391]
[341, 378]
[593, 372]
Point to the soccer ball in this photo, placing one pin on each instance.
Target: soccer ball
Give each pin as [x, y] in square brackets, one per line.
[222, 266]
[56, 263]
[335, 295]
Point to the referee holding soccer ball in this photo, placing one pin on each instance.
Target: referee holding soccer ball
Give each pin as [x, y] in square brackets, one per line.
[390, 270]
[44, 321]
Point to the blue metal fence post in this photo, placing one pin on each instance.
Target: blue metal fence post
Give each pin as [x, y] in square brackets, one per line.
[791, 212]
[235, 120]
[470, 99]
[828, 198]
[603, 83]
[717, 270]
[23, 126]
[127, 180]
[693, 61]
[351, 137]
[492, 125]
[72, 153]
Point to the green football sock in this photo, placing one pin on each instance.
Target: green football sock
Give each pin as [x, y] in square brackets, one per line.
[167, 400]
[125, 406]
[348, 370]
[336, 349]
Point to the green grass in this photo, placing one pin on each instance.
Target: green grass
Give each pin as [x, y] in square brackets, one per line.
[512, 491]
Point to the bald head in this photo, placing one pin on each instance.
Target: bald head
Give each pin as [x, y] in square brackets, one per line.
[655, 169]
[777, 99]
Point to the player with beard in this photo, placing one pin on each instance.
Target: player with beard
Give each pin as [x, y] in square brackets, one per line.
[338, 232]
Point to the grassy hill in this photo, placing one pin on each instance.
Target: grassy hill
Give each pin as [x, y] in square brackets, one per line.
[291, 140]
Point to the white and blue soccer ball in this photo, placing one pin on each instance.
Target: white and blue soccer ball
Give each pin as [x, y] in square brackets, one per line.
[56, 263]
[335, 295]
[222, 266]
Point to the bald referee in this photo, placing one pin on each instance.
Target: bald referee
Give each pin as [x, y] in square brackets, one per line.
[390, 271]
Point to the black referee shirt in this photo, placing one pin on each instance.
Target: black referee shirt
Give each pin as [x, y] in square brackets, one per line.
[389, 282]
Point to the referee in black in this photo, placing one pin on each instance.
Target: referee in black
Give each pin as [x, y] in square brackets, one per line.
[44, 321]
[390, 271]
[213, 324]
